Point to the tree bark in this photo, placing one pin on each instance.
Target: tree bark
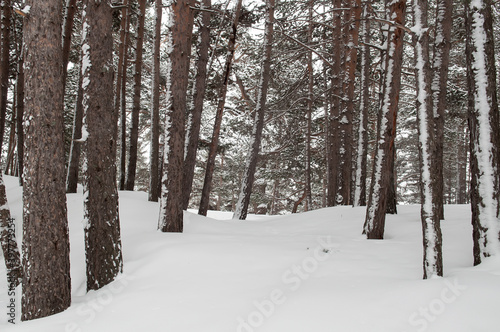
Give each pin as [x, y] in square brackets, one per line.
[46, 265]
[136, 108]
[69, 18]
[209, 169]
[153, 192]
[6, 10]
[386, 126]
[20, 113]
[75, 150]
[194, 121]
[102, 224]
[483, 129]
[310, 97]
[251, 164]
[179, 46]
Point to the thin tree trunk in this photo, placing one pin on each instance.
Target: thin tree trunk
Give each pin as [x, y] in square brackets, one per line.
[136, 108]
[462, 168]
[20, 113]
[153, 192]
[75, 150]
[484, 129]
[364, 105]
[46, 265]
[386, 126]
[6, 10]
[391, 207]
[194, 121]
[209, 169]
[251, 164]
[440, 62]
[102, 224]
[431, 229]
[69, 18]
[179, 46]
[310, 96]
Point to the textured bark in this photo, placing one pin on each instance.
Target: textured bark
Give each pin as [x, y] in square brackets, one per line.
[386, 125]
[462, 168]
[440, 63]
[75, 149]
[364, 105]
[6, 11]
[46, 267]
[251, 165]
[8, 240]
[102, 225]
[484, 130]
[429, 212]
[179, 39]
[69, 18]
[209, 169]
[391, 207]
[194, 121]
[136, 107]
[20, 113]
[154, 192]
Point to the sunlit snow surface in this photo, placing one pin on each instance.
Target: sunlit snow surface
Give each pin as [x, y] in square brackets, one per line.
[305, 272]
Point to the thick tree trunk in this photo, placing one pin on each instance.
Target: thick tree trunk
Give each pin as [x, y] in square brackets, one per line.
[484, 129]
[429, 212]
[153, 192]
[251, 164]
[364, 105]
[179, 46]
[194, 121]
[386, 126]
[46, 266]
[136, 107]
[102, 225]
[209, 169]
[6, 11]
[440, 62]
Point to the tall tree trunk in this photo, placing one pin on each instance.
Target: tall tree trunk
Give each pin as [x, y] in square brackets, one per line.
[484, 129]
[75, 150]
[20, 113]
[462, 167]
[364, 105]
[121, 88]
[310, 101]
[429, 212]
[153, 192]
[46, 266]
[391, 207]
[68, 20]
[6, 10]
[179, 46]
[251, 164]
[136, 108]
[440, 62]
[102, 224]
[209, 169]
[386, 126]
[194, 120]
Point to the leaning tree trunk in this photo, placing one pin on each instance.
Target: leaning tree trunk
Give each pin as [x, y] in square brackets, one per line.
[46, 284]
[136, 108]
[251, 165]
[179, 51]
[429, 212]
[102, 225]
[386, 126]
[209, 169]
[484, 129]
[153, 192]
[194, 121]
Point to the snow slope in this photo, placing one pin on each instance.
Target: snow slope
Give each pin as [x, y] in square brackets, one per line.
[305, 272]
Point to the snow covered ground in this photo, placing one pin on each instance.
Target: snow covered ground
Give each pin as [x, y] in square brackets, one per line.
[297, 273]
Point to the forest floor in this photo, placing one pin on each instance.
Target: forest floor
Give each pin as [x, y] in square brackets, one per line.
[296, 273]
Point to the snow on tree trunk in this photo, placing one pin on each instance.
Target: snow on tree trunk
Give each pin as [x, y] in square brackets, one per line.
[194, 121]
[20, 114]
[103, 247]
[153, 192]
[209, 169]
[484, 130]
[136, 107]
[180, 26]
[433, 261]
[251, 164]
[386, 124]
[46, 285]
